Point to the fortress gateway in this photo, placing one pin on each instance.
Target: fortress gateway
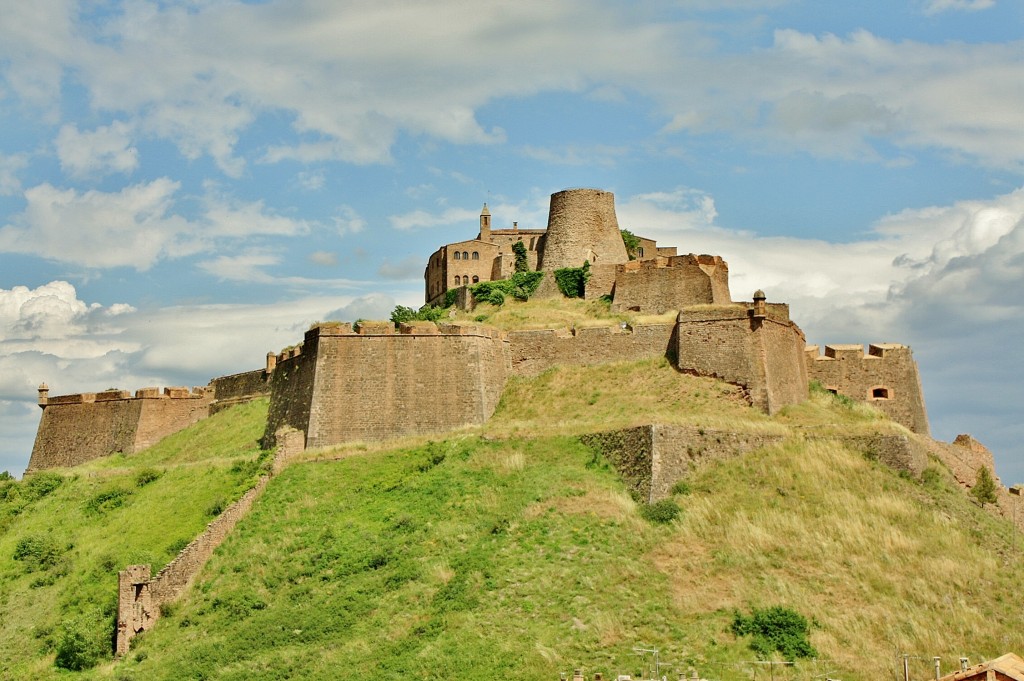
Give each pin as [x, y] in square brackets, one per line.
[371, 380]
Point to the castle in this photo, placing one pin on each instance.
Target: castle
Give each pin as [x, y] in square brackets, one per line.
[373, 380]
[378, 380]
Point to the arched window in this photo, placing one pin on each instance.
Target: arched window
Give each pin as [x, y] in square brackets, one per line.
[476, 279]
[465, 255]
[457, 255]
[476, 255]
[880, 393]
[458, 280]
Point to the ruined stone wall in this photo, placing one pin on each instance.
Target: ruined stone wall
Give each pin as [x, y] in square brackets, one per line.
[630, 451]
[662, 284]
[535, 351]
[372, 383]
[730, 344]
[582, 226]
[78, 428]
[889, 369]
[239, 388]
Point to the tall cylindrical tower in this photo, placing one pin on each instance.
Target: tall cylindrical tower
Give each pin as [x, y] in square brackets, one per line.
[582, 226]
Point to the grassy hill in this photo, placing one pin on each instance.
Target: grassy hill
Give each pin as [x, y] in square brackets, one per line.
[513, 551]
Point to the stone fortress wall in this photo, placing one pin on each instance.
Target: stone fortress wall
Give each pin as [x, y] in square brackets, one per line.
[77, 428]
[369, 383]
[885, 377]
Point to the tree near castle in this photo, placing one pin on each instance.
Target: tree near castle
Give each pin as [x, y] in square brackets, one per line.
[984, 489]
[522, 264]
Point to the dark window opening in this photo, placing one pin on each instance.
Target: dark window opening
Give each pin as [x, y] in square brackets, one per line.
[476, 279]
[476, 255]
[457, 255]
[880, 393]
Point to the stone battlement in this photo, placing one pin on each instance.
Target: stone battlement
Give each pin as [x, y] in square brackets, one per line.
[885, 376]
[171, 393]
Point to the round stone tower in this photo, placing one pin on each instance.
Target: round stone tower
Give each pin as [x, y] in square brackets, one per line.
[582, 226]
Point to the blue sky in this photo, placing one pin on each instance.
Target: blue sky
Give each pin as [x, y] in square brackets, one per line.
[187, 185]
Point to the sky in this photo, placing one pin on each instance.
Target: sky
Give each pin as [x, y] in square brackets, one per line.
[186, 185]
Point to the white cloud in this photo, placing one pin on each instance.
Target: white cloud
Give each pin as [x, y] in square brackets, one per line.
[10, 166]
[406, 269]
[137, 226]
[939, 6]
[323, 258]
[348, 221]
[107, 149]
[419, 219]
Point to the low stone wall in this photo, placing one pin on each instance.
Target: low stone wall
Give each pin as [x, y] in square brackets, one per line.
[899, 452]
[139, 597]
[535, 351]
[652, 458]
[239, 388]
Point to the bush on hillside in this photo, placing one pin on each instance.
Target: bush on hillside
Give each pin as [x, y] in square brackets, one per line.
[82, 642]
[775, 629]
[660, 512]
[38, 485]
[38, 552]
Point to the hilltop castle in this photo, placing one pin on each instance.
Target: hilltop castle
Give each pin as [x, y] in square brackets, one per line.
[374, 381]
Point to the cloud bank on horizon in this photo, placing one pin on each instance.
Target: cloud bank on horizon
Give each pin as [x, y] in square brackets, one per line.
[187, 185]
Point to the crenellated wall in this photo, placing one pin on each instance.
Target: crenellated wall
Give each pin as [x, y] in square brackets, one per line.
[885, 377]
[81, 427]
[670, 283]
[371, 382]
[763, 353]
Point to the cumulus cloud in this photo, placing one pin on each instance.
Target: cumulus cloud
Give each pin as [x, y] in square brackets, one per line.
[419, 219]
[372, 306]
[323, 258]
[107, 149]
[137, 226]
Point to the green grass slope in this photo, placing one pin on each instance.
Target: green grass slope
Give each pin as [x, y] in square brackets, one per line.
[512, 552]
[65, 534]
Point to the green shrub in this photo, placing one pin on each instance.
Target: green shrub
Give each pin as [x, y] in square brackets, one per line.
[6, 475]
[216, 507]
[661, 512]
[38, 485]
[450, 296]
[572, 281]
[631, 242]
[108, 500]
[520, 286]
[681, 488]
[427, 313]
[984, 489]
[522, 264]
[775, 629]
[38, 552]
[82, 642]
[146, 476]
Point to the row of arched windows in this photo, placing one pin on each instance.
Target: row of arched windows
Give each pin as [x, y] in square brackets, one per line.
[459, 281]
[464, 255]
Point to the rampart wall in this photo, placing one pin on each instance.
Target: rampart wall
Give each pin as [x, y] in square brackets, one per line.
[535, 351]
[81, 427]
[885, 377]
[763, 354]
[239, 388]
[371, 383]
[663, 284]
